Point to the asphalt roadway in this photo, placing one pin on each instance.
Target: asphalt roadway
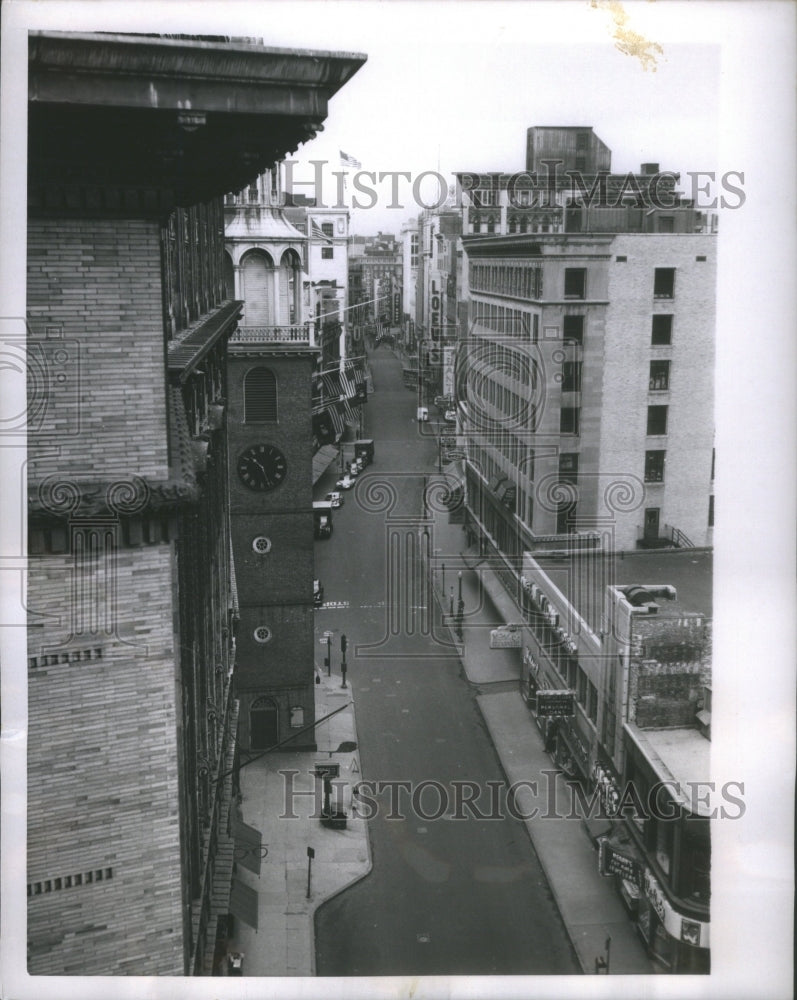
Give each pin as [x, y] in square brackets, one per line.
[445, 896]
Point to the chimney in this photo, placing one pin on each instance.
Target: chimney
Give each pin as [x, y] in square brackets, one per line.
[649, 168]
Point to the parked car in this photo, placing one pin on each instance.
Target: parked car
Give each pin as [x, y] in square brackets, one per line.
[336, 499]
[318, 593]
[345, 483]
[450, 416]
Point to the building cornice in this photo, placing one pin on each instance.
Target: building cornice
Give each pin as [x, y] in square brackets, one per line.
[181, 120]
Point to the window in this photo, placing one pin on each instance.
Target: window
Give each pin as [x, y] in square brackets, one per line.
[575, 282]
[573, 329]
[661, 330]
[711, 512]
[713, 456]
[659, 376]
[568, 467]
[666, 224]
[581, 163]
[621, 258]
[260, 395]
[657, 420]
[592, 702]
[571, 376]
[664, 283]
[327, 229]
[327, 253]
[581, 140]
[581, 687]
[297, 717]
[252, 193]
[654, 466]
[569, 419]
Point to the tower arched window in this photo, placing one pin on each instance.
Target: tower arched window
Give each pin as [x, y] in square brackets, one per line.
[260, 396]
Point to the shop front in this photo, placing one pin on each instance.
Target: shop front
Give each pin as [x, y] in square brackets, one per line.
[678, 942]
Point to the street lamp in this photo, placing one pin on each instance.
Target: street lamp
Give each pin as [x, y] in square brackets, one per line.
[459, 581]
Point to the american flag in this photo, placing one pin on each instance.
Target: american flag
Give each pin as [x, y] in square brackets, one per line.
[349, 161]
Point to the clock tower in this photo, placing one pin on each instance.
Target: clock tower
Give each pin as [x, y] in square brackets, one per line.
[271, 511]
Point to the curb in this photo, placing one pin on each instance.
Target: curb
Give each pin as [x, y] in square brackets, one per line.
[352, 881]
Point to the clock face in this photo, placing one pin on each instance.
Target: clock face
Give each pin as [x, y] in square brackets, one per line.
[262, 467]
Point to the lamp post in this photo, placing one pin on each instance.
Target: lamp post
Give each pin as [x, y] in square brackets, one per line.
[459, 582]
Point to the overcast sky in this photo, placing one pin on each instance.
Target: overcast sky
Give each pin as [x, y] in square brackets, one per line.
[456, 86]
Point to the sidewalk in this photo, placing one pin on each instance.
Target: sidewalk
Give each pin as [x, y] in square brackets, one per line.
[279, 800]
[590, 908]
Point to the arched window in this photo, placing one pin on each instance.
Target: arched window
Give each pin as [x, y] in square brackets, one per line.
[260, 396]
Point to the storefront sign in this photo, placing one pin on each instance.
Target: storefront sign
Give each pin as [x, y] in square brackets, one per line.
[612, 862]
[697, 932]
[448, 371]
[503, 638]
[561, 703]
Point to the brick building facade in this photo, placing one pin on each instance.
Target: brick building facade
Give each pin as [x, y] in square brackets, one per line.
[131, 588]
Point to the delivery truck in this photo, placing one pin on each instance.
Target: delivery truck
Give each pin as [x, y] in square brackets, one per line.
[322, 518]
[364, 449]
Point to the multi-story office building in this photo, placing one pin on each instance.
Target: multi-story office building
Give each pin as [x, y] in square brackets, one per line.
[132, 591]
[327, 234]
[410, 257]
[436, 296]
[568, 187]
[586, 387]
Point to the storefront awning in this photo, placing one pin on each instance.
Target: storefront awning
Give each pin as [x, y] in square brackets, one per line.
[322, 459]
[508, 611]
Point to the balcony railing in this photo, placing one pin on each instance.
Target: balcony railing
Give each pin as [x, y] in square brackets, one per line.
[272, 335]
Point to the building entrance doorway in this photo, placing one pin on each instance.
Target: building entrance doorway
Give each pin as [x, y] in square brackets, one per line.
[652, 523]
[263, 724]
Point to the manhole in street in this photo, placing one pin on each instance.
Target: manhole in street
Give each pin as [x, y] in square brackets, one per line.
[423, 937]
[422, 829]
[405, 711]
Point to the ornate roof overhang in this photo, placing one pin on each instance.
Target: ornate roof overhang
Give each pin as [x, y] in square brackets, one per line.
[182, 119]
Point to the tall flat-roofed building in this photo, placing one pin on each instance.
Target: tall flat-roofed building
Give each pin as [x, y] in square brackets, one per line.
[133, 140]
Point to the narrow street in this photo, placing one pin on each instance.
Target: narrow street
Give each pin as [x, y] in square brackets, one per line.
[445, 897]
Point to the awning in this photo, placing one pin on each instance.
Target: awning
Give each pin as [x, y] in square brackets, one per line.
[322, 460]
[507, 609]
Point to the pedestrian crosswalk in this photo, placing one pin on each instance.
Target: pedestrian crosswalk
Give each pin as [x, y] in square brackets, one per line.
[340, 605]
